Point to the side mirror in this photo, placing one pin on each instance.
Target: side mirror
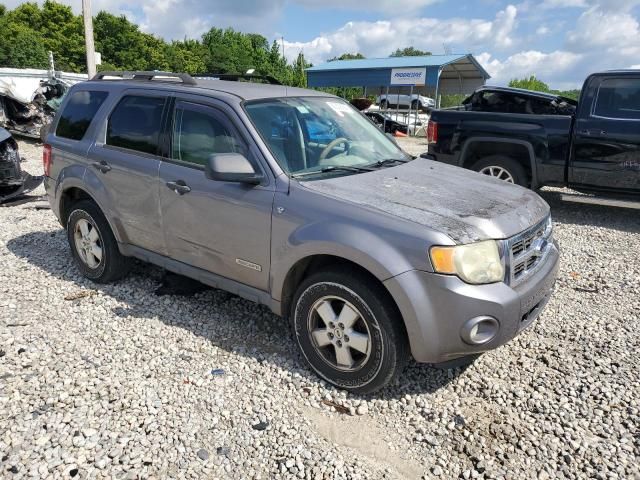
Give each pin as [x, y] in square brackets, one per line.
[231, 167]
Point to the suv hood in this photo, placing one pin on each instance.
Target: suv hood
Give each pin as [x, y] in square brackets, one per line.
[462, 204]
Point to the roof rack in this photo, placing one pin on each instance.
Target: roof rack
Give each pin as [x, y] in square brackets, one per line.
[184, 77]
[236, 77]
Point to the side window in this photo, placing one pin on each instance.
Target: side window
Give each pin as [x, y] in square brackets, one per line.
[135, 123]
[78, 113]
[619, 98]
[199, 132]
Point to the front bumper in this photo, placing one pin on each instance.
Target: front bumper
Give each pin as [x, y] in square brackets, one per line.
[436, 307]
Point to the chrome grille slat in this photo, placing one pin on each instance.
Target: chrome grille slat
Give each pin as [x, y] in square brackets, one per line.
[526, 252]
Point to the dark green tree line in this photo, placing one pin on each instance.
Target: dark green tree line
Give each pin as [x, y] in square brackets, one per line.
[30, 31]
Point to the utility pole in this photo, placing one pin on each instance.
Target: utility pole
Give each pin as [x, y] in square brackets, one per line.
[282, 41]
[88, 38]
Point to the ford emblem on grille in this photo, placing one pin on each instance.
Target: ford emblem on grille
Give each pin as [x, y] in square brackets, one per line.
[538, 246]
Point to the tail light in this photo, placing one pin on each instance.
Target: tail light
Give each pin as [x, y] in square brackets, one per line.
[46, 159]
[432, 132]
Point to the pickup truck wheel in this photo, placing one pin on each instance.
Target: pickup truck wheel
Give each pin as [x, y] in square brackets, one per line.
[502, 168]
[349, 331]
[93, 245]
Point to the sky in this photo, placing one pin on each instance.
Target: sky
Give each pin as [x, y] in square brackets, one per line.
[560, 41]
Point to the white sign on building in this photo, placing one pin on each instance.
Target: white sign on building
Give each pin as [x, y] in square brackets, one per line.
[408, 76]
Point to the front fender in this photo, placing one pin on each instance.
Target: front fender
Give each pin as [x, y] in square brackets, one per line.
[351, 242]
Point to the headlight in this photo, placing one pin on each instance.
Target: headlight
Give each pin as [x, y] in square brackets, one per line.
[475, 263]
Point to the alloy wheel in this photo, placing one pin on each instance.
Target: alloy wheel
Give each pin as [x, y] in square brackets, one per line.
[339, 333]
[88, 243]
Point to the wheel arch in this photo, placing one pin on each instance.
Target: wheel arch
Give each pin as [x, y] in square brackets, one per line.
[311, 264]
[72, 194]
[521, 151]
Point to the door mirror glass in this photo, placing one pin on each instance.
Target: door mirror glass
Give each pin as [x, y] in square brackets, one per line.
[231, 167]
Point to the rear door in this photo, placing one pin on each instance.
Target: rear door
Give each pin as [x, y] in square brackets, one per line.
[221, 227]
[606, 143]
[126, 160]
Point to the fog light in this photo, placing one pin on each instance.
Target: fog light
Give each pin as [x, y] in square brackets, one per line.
[480, 330]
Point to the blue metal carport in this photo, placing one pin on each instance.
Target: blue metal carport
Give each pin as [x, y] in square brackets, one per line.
[444, 74]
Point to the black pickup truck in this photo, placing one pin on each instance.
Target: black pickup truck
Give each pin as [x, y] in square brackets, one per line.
[535, 139]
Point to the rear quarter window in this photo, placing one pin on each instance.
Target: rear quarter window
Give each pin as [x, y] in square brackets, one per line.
[78, 113]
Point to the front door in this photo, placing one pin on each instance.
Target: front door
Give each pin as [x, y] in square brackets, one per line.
[221, 227]
[126, 161]
[606, 144]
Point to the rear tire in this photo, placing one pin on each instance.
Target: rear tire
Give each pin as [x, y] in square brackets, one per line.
[93, 244]
[384, 105]
[349, 331]
[503, 168]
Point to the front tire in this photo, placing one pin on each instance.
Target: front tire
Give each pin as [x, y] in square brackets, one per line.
[93, 245]
[349, 331]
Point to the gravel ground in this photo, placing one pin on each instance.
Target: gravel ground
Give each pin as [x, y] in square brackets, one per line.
[114, 381]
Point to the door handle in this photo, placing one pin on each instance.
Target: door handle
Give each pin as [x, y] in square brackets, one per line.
[593, 132]
[179, 186]
[103, 166]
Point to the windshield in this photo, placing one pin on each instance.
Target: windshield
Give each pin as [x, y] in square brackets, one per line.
[316, 135]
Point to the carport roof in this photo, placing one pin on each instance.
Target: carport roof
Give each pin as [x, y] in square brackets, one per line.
[463, 63]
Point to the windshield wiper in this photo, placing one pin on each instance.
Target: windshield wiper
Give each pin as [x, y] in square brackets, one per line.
[387, 162]
[334, 168]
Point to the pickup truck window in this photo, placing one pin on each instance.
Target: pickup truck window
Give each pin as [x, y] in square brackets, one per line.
[135, 124]
[319, 134]
[198, 132]
[619, 98]
[78, 113]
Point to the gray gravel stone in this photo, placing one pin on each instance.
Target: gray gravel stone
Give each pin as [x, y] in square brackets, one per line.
[117, 382]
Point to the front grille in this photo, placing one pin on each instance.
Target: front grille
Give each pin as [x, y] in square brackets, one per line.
[527, 251]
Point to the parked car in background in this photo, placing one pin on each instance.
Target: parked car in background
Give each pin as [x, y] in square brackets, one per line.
[292, 199]
[14, 182]
[593, 146]
[415, 101]
[386, 123]
[516, 100]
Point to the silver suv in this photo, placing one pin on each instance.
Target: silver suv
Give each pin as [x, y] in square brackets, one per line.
[293, 199]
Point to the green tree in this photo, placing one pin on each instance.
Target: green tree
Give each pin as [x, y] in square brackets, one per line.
[573, 94]
[348, 56]
[189, 56]
[531, 83]
[299, 77]
[124, 46]
[410, 52]
[21, 47]
[229, 51]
